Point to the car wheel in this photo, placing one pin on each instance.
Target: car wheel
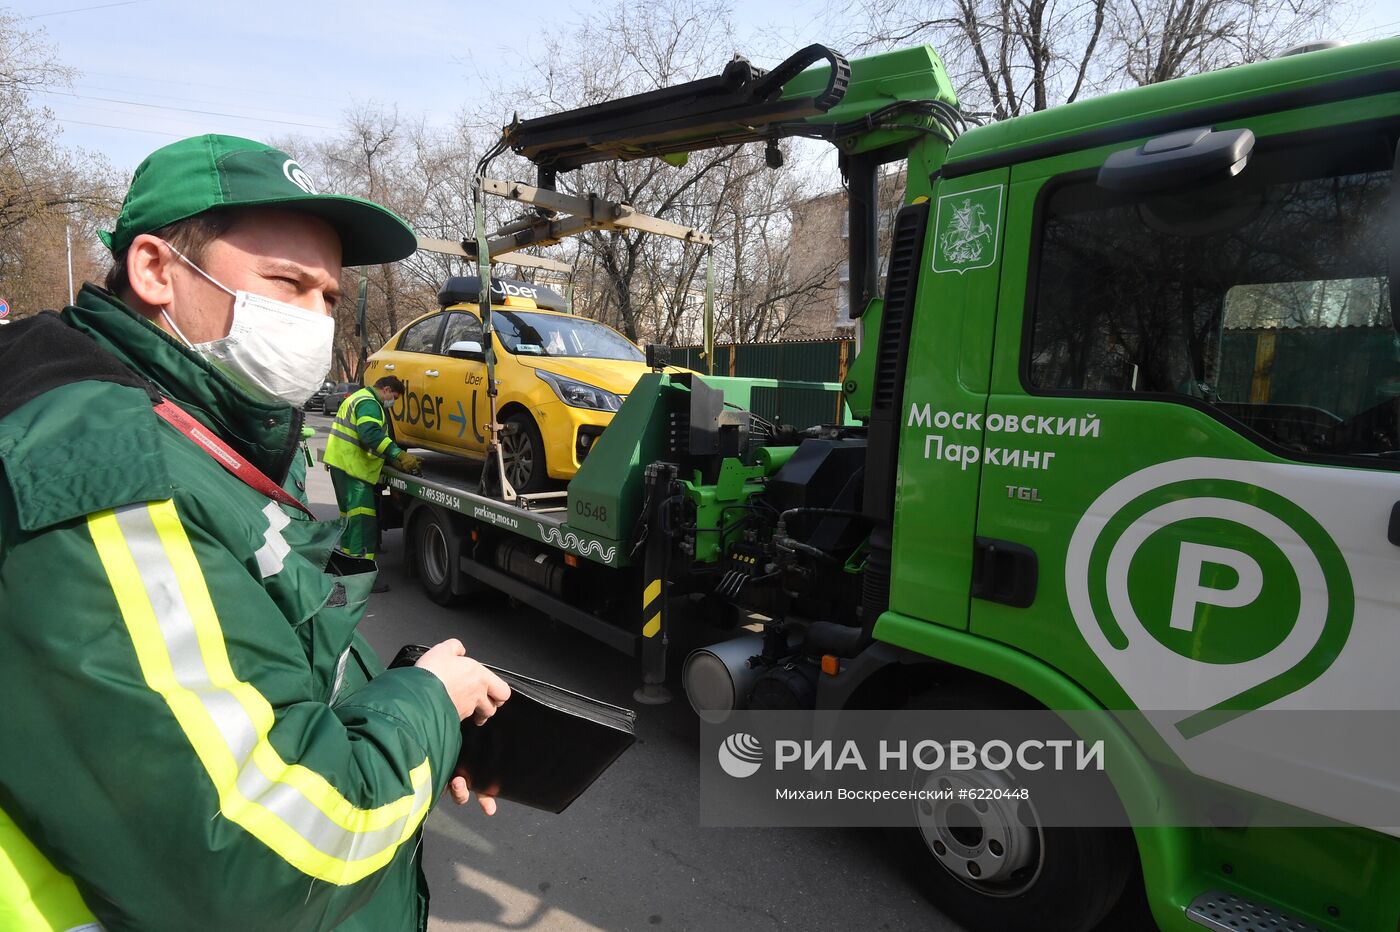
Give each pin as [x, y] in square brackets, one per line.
[993, 865]
[435, 555]
[522, 450]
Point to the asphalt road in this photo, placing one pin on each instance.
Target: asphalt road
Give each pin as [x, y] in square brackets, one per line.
[629, 854]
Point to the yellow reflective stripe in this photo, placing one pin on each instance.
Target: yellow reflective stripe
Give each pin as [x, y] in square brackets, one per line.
[326, 842]
[35, 895]
[191, 578]
[384, 445]
[652, 627]
[652, 591]
[211, 641]
[358, 418]
[359, 511]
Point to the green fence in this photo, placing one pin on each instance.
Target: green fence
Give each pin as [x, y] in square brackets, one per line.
[789, 360]
[1342, 370]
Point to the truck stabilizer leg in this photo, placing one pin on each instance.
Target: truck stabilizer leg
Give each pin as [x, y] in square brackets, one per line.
[656, 566]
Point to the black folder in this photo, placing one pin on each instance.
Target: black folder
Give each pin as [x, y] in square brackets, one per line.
[544, 746]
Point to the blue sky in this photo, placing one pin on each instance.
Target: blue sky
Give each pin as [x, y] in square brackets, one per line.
[157, 70]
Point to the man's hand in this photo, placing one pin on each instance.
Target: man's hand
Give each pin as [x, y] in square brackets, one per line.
[460, 790]
[475, 691]
[407, 462]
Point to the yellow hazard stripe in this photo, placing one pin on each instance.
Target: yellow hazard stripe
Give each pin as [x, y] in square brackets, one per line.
[293, 810]
[651, 628]
[652, 590]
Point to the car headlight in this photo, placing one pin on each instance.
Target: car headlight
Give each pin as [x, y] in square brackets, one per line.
[580, 394]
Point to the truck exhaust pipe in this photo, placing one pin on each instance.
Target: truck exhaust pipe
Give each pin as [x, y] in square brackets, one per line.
[718, 678]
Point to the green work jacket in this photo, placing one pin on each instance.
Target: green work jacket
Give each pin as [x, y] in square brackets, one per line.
[195, 736]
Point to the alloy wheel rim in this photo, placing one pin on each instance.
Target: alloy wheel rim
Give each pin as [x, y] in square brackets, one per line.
[520, 458]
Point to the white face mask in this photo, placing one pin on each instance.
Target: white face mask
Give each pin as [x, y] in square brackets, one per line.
[276, 351]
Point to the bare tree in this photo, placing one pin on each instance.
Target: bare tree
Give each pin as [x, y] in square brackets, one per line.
[1008, 57]
[422, 176]
[46, 192]
[649, 286]
[1161, 40]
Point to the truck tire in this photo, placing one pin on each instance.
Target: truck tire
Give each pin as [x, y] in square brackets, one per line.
[524, 454]
[435, 555]
[1066, 879]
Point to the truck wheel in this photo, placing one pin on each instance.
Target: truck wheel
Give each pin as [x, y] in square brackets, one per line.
[993, 865]
[435, 552]
[523, 450]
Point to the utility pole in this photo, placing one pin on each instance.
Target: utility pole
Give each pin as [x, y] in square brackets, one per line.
[68, 235]
[360, 325]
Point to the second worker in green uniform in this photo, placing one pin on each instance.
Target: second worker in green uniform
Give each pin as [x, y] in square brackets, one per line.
[357, 448]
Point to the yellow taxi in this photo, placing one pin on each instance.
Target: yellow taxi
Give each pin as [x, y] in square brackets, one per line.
[560, 379]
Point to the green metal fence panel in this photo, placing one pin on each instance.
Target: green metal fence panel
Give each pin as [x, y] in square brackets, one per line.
[794, 360]
[1341, 370]
[800, 407]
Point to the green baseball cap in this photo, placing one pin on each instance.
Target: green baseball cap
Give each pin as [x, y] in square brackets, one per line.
[191, 176]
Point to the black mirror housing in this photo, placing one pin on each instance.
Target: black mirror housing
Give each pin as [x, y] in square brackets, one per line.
[1182, 159]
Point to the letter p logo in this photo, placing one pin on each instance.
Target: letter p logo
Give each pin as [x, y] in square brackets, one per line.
[1191, 591]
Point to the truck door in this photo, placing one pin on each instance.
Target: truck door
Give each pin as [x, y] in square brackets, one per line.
[942, 408]
[1193, 447]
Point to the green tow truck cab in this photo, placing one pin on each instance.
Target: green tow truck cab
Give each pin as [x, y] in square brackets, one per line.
[1131, 441]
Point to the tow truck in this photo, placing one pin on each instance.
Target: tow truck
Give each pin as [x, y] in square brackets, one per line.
[1127, 439]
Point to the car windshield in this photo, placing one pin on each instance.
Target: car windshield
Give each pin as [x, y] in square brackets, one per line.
[528, 334]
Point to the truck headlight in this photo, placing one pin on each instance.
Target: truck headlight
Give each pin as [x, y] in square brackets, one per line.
[580, 394]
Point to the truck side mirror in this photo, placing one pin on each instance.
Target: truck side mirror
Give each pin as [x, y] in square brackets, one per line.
[467, 349]
[1182, 159]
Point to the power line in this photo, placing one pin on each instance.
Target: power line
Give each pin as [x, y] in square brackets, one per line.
[1372, 31]
[217, 113]
[188, 100]
[84, 9]
[186, 83]
[123, 112]
[129, 129]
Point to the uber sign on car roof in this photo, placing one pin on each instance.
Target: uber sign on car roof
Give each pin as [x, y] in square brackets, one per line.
[466, 289]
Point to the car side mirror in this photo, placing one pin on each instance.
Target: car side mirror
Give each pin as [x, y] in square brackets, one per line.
[1183, 159]
[467, 349]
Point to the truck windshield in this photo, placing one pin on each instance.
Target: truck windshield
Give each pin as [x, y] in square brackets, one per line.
[527, 334]
[1265, 298]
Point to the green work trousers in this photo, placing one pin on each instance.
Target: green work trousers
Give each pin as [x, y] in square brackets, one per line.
[357, 508]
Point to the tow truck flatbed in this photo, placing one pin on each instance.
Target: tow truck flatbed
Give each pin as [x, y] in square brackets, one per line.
[454, 483]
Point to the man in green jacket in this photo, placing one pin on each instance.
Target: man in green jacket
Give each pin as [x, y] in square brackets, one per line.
[195, 735]
[357, 448]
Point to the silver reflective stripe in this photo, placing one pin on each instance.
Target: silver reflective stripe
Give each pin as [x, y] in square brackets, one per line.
[339, 675]
[354, 436]
[88, 927]
[236, 728]
[275, 548]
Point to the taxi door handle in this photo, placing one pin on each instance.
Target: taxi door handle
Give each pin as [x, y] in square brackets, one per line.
[431, 372]
[390, 367]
